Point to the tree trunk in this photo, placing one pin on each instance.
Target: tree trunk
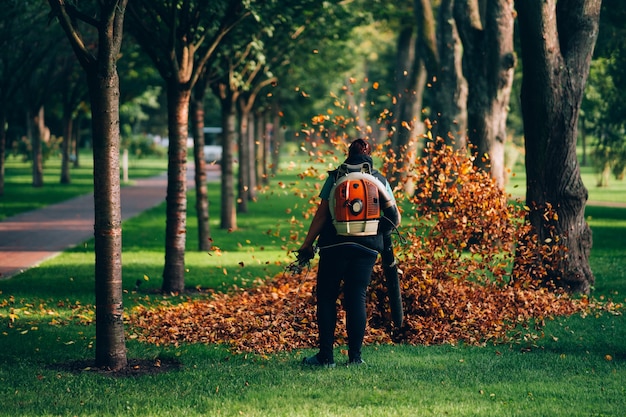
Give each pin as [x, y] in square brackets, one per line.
[409, 80]
[252, 157]
[262, 146]
[37, 140]
[228, 209]
[557, 40]
[409, 95]
[439, 47]
[243, 174]
[3, 145]
[68, 134]
[489, 66]
[450, 86]
[110, 345]
[103, 83]
[176, 199]
[277, 140]
[202, 198]
[76, 141]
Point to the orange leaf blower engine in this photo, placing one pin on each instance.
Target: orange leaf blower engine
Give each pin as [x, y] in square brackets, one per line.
[355, 202]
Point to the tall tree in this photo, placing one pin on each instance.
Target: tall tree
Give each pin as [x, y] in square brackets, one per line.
[451, 89]
[557, 42]
[415, 42]
[258, 51]
[257, 79]
[98, 57]
[227, 96]
[36, 93]
[180, 37]
[486, 30]
[197, 130]
[39, 135]
[72, 93]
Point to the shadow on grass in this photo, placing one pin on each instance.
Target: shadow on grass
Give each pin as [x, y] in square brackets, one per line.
[134, 368]
[600, 338]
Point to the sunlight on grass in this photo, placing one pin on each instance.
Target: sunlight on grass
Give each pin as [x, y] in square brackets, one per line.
[615, 192]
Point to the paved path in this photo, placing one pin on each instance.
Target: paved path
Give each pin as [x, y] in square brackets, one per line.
[30, 238]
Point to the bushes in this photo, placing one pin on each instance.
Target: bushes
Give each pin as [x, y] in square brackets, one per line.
[143, 146]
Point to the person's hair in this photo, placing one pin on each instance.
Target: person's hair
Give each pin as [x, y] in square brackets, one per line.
[359, 147]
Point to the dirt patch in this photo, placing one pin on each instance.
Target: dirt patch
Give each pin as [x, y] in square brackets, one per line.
[134, 368]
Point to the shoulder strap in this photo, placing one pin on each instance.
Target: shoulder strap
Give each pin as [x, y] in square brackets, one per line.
[345, 168]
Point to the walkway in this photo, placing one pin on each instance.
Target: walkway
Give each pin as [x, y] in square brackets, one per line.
[28, 239]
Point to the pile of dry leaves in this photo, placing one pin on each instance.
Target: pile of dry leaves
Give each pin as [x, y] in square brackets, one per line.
[280, 315]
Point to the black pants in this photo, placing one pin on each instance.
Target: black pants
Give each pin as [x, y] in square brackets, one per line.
[352, 266]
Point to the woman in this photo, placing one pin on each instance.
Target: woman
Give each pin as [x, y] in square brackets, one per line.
[348, 259]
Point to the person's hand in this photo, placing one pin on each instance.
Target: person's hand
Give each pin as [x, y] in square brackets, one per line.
[303, 258]
[305, 253]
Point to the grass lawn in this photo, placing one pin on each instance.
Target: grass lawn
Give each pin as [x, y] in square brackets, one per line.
[577, 369]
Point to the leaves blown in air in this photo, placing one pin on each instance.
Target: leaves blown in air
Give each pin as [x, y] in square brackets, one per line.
[472, 272]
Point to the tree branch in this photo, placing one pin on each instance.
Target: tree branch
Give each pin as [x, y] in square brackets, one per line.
[59, 10]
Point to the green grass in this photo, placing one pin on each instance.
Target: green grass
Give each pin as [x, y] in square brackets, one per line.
[577, 369]
[615, 192]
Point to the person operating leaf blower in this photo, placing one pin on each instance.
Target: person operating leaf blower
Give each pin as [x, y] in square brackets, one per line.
[353, 224]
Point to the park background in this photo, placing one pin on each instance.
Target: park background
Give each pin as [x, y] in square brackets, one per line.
[578, 371]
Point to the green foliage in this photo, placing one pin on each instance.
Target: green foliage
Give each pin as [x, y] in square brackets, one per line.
[142, 146]
[24, 148]
[603, 106]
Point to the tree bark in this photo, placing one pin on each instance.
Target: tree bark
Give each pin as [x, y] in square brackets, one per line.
[37, 140]
[202, 198]
[68, 134]
[450, 87]
[489, 65]
[176, 199]
[3, 145]
[104, 89]
[228, 218]
[243, 173]
[110, 345]
[557, 40]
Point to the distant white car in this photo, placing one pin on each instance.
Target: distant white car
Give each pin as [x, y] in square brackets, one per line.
[212, 153]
